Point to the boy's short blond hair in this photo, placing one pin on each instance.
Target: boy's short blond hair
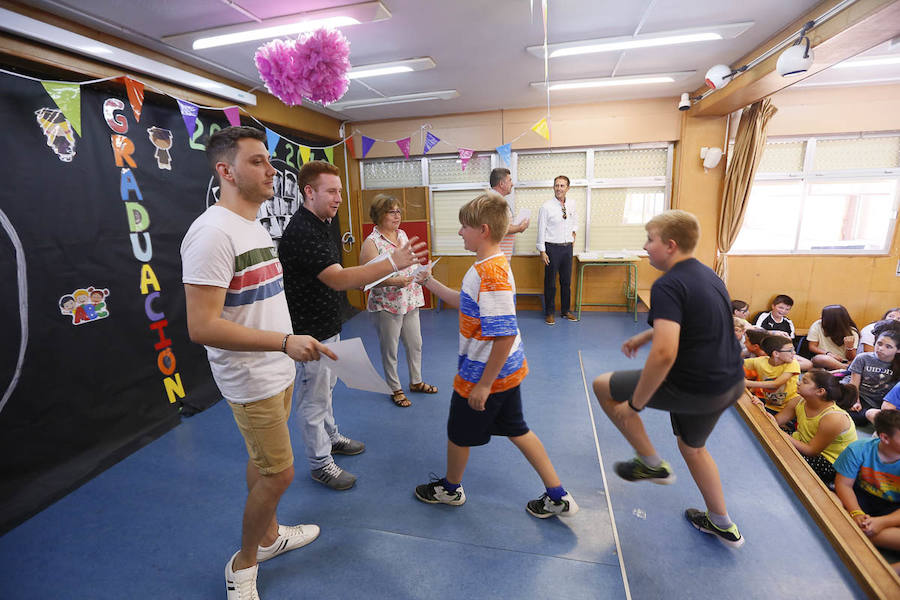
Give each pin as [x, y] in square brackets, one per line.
[741, 324]
[678, 225]
[488, 209]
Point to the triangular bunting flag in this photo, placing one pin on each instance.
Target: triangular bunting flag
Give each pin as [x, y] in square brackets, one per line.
[329, 155]
[431, 141]
[67, 97]
[304, 154]
[272, 141]
[505, 152]
[350, 147]
[404, 146]
[189, 113]
[135, 90]
[542, 128]
[367, 145]
[233, 114]
[464, 155]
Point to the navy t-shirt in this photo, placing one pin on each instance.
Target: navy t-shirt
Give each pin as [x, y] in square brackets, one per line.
[709, 356]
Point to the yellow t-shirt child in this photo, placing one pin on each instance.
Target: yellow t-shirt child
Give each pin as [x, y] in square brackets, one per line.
[766, 371]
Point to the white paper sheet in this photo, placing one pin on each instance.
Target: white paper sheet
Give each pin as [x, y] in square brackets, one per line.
[525, 213]
[354, 368]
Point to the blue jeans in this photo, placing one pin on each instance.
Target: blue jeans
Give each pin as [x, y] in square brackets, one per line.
[313, 411]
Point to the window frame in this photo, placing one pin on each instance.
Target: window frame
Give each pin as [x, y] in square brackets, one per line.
[588, 182]
[809, 176]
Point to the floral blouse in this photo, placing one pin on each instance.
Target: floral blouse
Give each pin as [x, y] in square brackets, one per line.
[393, 299]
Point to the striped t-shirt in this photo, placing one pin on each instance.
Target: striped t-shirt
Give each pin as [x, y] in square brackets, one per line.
[224, 250]
[487, 310]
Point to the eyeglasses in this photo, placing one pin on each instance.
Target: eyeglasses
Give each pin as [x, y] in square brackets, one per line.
[791, 351]
[395, 211]
[564, 211]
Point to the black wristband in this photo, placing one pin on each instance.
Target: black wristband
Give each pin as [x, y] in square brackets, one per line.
[284, 342]
[633, 407]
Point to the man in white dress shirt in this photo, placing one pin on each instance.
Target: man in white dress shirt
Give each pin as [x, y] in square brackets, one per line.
[557, 225]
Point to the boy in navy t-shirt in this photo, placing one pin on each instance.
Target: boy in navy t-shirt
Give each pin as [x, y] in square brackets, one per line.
[693, 371]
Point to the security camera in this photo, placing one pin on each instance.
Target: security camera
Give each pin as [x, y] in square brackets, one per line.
[685, 103]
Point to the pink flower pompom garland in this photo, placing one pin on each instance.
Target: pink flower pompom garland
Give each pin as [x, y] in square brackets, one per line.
[313, 67]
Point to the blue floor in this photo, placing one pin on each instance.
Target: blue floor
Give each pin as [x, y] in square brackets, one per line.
[162, 523]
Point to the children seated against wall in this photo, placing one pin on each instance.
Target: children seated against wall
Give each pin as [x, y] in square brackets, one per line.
[867, 334]
[775, 374]
[776, 318]
[867, 474]
[833, 339]
[824, 428]
[874, 373]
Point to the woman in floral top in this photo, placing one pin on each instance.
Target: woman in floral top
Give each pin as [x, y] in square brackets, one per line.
[395, 302]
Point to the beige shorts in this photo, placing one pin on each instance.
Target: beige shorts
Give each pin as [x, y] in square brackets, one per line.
[264, 425]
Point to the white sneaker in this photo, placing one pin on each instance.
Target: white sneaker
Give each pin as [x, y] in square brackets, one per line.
[240, 584]
[289, 537]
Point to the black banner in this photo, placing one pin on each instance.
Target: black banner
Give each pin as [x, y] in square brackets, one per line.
[94, 220]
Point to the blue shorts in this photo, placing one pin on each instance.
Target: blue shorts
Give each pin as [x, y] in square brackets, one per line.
[502, 415]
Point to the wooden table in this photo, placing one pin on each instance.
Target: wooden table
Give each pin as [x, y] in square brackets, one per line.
[630, 284]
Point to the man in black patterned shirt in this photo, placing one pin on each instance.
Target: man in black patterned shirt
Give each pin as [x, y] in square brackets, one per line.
[314, 280]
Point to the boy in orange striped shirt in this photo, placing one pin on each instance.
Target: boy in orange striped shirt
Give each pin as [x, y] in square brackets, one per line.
[486, 399]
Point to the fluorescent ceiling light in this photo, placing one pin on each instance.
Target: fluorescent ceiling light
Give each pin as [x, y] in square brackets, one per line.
[643, 40]
[288, 25]
[868, 61]
[389, 68]
[419, 97]
[268, 33]
[596, 82]
[62, 38]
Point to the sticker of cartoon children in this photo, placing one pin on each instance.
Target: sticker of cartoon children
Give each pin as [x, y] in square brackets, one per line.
[85, 305]
[58, 132]
[162, 139]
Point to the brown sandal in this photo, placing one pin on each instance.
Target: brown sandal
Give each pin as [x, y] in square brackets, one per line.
[423, 388]
[400, 399]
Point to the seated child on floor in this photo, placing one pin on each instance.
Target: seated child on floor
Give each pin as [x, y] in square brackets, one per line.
[867, 333]
[776, 374]
[776, 318]
[824, 428]
[868, 472]
[833, 339]
[875, 373]
[740, 309]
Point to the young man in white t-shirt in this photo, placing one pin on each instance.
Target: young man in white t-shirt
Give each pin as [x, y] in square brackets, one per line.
[502, 183]
[236, 307]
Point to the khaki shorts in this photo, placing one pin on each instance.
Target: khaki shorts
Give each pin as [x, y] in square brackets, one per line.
[264, 425]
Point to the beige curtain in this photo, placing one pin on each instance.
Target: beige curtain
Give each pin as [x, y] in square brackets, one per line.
[749, 143]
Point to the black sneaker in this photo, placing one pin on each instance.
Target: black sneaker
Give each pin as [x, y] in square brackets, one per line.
[544, 507]
[699, 519]
[637, 470]
[344, 445]
[434, 493]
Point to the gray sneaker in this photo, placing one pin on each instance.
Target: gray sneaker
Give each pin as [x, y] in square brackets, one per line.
[334, 477]
[344, 445]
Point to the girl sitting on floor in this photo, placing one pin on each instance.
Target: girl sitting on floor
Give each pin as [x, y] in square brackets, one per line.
[833, 338]
[824, 428]
[875, 373]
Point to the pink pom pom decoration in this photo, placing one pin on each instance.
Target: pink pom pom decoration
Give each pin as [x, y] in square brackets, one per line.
[312, 67]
